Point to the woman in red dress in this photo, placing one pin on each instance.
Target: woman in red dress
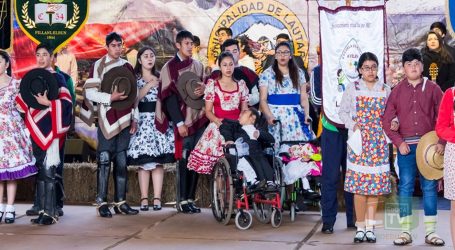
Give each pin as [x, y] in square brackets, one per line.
[224, 99]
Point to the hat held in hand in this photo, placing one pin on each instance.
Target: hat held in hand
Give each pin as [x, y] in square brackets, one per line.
[38, 81]
[123, 80]
[429, 162]
[186, 85]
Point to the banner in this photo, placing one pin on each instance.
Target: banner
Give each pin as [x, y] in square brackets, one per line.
[258, 22]
[346, 33]
[52, 21]
[5, 24]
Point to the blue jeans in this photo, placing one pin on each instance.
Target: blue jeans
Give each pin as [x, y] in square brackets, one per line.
[408, 171]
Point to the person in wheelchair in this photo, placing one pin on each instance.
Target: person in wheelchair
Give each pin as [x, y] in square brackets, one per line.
[257, 137]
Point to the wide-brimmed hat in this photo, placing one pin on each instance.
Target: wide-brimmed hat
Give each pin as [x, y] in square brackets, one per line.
[124, 80]
[37, 81]
[187, 83]
[430, 163]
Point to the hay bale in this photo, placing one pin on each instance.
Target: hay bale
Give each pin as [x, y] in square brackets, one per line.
[80, 185]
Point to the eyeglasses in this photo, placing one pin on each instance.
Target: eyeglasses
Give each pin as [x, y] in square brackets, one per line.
[283, 53]
[374, 68]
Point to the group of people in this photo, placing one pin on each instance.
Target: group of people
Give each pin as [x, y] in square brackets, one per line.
[181, 114]
[413, 108]
[34, 123]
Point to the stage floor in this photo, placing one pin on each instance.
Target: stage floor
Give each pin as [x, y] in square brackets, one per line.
[81, 228]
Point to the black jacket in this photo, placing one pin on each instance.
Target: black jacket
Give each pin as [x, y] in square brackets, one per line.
[232, 130]
[446, 72]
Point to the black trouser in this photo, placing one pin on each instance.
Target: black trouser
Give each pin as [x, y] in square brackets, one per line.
[59, 189]
[112, 150]
[334, 146]
[188, 178]
[45, 183]
[260, 165]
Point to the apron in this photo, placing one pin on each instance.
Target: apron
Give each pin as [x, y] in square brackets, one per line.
[368, 172]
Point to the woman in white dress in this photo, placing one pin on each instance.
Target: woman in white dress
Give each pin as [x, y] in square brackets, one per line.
[148, 147]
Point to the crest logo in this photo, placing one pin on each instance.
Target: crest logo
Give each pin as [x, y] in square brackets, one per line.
[53, 21]
[347, 72]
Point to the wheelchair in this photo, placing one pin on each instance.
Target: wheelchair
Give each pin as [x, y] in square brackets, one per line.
[292, 196]
[230, 193]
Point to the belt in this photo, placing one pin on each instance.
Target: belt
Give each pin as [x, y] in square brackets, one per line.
[284, 99]
[147, 107]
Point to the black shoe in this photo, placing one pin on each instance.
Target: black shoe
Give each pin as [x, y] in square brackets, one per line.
[158, 206]
[124, 208]
[10, 220]
[327, 229]
[271, 187]
[311, 195]
[33, 211]
[351, 226]
[359, 237]
[370, 237]
[1, 216]
[47, 220]
[60, 211]
[185, 208]
[193, 208]
[37, 220]
[144, 207]
[103, 211]
[44, 219]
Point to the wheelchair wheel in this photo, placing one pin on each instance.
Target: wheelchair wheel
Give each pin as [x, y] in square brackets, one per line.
[278, 177]
[222, 194]
[277, 171]
[292, 212]
[243, 220]
[276, 218]
[262, 211]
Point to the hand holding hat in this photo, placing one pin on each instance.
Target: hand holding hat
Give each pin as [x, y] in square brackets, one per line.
[429, 159]
[117, 96]
[42, 99]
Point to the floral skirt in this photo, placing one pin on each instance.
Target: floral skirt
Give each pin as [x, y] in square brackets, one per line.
[16, 157]
[207, 151]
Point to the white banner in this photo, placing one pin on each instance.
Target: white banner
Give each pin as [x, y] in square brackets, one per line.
[346, 33]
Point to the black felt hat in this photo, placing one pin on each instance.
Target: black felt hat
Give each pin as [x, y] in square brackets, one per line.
[37, 81]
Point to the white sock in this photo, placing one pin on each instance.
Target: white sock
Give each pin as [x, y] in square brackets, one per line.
[2, 207]
[370, 225]
[430, 224]
[305, 183]
[9, 208]
[360, 226]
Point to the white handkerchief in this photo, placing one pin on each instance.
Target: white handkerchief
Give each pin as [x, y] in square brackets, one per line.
[355, 142]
